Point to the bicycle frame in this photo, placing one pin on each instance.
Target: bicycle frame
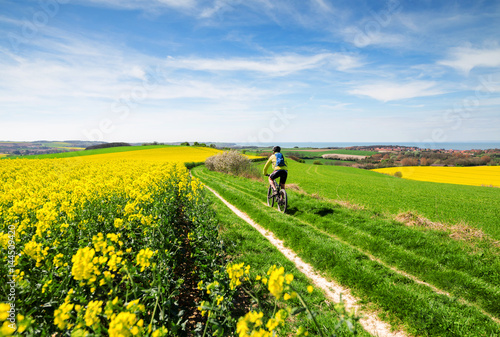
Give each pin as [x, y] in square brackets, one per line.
[280, 197]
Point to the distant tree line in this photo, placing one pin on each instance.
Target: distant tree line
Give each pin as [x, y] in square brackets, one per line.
[106, 145]
[199, 144]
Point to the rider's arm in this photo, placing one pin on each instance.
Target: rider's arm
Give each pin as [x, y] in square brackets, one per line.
[269, 161]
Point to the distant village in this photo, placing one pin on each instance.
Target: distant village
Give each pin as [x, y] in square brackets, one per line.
[389, 156]
[397, 149]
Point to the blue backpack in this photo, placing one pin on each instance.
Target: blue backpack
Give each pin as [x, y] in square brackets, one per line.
[280, 160]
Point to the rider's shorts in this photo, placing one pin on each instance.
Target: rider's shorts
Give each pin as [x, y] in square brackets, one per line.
[282, 174]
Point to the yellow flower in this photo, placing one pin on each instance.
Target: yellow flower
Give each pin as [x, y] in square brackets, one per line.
[235, 272]
[34, 250]
[113, 237]
[99, 242]
[134, 306]
[278, 319]
[255, 317]
[22, 323]
[310, 289]
[276, 279]
[118, 223]
[62, 315]
[46, 284]
[123, 324]
[4, 311]
[58, 260]
[160, 332]
[301, 331]
[94, 308]
[114, 261]
[83, 267]
[250, 322]
[7, 329]
[4, 240]
[143, 258]
[242, 327]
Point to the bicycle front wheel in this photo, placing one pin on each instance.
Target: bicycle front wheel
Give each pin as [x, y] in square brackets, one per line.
[283, 201]
[270, 198]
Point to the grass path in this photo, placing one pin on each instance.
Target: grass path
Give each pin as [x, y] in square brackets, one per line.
[370, 322]
[408, 273]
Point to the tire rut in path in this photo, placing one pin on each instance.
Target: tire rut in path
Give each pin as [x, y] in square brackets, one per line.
[370, 322]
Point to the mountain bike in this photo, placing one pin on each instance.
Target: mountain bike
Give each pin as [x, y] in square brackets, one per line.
[280, 198]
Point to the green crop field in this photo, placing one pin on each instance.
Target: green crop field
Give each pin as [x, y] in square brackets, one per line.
[381, 260]
[91, 152]
[474, 205]
[318, 153]
[315, 153]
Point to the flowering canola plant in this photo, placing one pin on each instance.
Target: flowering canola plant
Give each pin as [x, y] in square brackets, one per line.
[475, 176]
[94, 247]
[259, 320]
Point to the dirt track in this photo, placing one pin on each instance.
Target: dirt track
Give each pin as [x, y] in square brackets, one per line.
[370, 322]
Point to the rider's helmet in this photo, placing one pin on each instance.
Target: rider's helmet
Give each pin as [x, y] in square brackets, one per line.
[276, 149]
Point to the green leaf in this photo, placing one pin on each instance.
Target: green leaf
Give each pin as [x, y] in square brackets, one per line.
[296, 311]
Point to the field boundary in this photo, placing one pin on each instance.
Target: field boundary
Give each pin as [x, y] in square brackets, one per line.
[333, 291]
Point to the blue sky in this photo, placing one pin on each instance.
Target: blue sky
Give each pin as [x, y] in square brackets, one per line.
[250, 71]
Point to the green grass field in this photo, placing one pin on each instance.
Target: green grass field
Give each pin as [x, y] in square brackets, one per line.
[91, 152]
[316, 153]
[476, 206]
[365, 249]
[245, 244]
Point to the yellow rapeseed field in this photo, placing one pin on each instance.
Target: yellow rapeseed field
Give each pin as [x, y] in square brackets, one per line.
[162, 154]
[82, 235]
[475, 176]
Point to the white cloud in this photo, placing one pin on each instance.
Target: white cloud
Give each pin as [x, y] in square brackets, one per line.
[388, 91]
[218, 6]
[464, 59]
[363, 38]
[144, 4]
[335, 107]
[274, 66]
[87, 77]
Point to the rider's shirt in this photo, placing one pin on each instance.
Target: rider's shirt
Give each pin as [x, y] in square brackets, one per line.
[272, 160]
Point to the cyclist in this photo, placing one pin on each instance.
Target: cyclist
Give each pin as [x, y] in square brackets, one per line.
[280, 170]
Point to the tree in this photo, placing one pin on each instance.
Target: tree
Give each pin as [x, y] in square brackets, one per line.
[409, 162]
[486, 159]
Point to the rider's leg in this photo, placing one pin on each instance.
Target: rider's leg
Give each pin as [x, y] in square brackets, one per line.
[271, 182]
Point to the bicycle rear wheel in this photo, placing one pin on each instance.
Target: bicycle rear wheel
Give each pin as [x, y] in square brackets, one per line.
[270, 198]
[282, 201]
